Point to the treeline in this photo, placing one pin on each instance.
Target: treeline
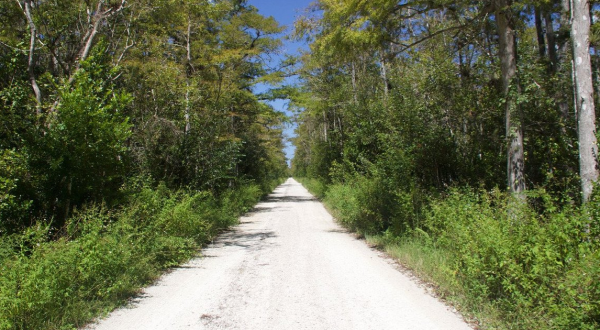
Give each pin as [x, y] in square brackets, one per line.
[129, 135]
[461, 135]
[96, 92]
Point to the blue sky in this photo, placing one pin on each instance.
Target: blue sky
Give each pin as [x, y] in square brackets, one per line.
[285, 12]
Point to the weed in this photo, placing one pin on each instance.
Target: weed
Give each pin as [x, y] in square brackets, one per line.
[507, 263]
[105, 256]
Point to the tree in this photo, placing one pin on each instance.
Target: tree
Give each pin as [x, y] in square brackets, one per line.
[588, 145]
[94, 92]
[403, 28]
[505, 20]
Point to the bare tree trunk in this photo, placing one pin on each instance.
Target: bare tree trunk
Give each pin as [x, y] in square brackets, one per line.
[88, 40]
[565, 19]
[325, 126]
[514, 130]
[189, 72]
[95, 19]
[68, 201]
[354, 92]
[384, 78]
[560, 96]
[30, 62]
[588, 148]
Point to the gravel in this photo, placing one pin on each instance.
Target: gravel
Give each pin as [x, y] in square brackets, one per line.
[288, 265]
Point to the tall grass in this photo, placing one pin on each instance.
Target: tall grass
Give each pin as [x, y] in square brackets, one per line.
[104, 256]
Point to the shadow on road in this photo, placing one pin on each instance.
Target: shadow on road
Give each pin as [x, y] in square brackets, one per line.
[290, 199]
[272, 203]
[252, 240]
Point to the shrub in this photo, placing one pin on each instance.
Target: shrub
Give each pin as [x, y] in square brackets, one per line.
[82, 154]
[532, 264]
[105, 256]
[528, 263]
[315, 186]
[343, 202]
[234, 202]
[13, 208]
[369, 205]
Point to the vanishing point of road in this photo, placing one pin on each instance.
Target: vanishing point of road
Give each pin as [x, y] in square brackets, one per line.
[288, 265]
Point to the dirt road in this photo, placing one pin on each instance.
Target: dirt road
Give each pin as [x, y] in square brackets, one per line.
[286, 266]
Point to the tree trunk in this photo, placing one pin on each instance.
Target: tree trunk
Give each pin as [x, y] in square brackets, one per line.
[384, 79]
[514, 130]
[95, 20]
[188, 74]
[30, 63]
[550, 37]
[588, 149]
[540, 32]
[354, 89]
[565, 28]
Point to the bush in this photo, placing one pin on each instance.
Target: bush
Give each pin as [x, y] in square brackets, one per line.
[527, 263]
[66, 282]
[532, 264]
[13, 208]
[234, 202]
[369, 206]
[315, 186]
[343, 202]
[105, 256]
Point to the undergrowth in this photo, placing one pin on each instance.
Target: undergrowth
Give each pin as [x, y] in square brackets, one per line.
[104, 256]
[506, 263]
[316, 187]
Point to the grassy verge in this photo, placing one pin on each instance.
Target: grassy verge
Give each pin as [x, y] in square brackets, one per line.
[105, 256]
[433, 266]
[503, 262]
[315, 186]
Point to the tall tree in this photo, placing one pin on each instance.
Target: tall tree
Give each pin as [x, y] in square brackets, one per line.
[588, 145]
[406, 26]
[160, 88]
[505, 20]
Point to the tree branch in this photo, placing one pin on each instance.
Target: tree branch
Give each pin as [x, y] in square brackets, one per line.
[408, 46]
[30, 62]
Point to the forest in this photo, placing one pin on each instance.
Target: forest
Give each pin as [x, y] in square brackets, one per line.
[460, 137]
[130, 134]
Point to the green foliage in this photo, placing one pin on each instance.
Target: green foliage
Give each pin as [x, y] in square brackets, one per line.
[506, 252]
[510, 264]
[13, 208]
[164, 91]
[156, 94]
[63, 282]
[370, 206]
[196, 122]
[105, 256]
[241, 200]
[82, 153]
[315, 186]
[401, 112]
[435, 266]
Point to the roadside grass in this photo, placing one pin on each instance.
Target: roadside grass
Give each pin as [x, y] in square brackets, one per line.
[104, 257]
[502, 262]
[432, 266]
[316, 187]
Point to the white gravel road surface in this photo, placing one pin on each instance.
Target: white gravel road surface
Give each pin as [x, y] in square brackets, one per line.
[288, 265]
